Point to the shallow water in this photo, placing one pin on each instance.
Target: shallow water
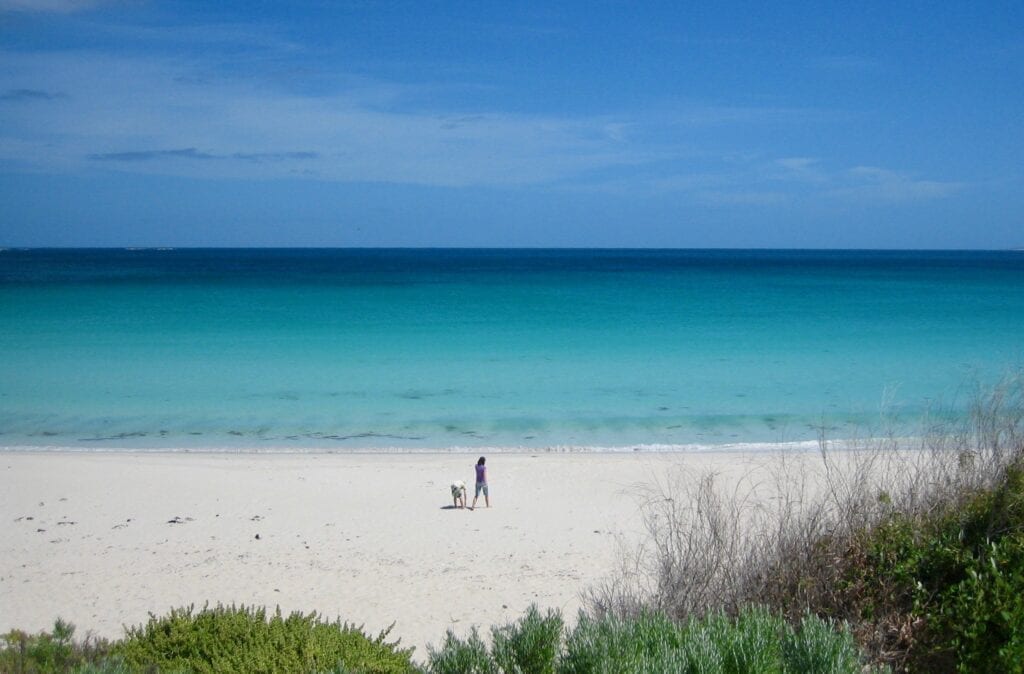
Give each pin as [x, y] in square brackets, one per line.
[369, 349]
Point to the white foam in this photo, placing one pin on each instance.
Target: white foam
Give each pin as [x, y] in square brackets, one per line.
[737, 447]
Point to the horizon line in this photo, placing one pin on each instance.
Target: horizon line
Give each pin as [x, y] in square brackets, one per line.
[169, 248]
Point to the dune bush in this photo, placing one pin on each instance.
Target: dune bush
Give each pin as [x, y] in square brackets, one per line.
[226, 639]
[53, 651]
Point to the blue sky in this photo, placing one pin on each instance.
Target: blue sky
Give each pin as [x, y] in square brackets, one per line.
[806, 125]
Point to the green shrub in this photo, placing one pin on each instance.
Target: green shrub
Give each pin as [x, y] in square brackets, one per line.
[615, 645]
[47, 652]
[461, 657]
[751, 643]
[243, 639]
[702, 654]
[756, 642]
[118, 666]
[980, 619]
[818, 647]
[762, 642]
[529, 645]
[950, 585]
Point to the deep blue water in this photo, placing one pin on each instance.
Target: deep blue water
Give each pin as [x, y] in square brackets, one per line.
[352, 349]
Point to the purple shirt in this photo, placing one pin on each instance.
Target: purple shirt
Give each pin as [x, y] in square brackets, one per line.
[481, 474]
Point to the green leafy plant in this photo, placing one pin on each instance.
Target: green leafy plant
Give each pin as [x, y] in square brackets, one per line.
[612, 644]
[817, 646]
[457, 656]
[529, 645]
[755, 642]
[45, 652]
[246, 639]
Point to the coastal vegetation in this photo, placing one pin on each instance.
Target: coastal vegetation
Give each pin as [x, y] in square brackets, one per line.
[213, 639]
[919, 548]
[243, 640]
[754, 641]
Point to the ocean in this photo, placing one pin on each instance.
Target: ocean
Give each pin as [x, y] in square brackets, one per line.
[463, 349]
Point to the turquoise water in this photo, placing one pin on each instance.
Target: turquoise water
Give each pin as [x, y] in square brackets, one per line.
[368, 349]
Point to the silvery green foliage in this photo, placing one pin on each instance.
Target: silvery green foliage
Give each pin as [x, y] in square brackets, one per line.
[819, 647]
[457, 656]
[755, 642]
[531, 644]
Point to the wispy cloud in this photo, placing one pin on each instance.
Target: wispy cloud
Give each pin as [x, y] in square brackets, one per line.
[163, 115]
[250, 36]
[848, 63]
[872, 182]
[193, 153]
[185, 115]
[274, 156]
[150, 155]
[49, 6]
[451, 123]
[811, 178]
[744, 197]
[799, 169]
[753, 180]
[30, 95]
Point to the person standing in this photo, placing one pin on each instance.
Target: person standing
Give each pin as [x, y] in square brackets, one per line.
[481, 483]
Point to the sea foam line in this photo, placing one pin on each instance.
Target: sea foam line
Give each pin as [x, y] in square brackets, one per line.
[692, 448]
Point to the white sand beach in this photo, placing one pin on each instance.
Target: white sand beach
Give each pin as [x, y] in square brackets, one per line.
[104, 538]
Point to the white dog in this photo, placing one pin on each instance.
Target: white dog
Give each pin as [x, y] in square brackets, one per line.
[459, 494]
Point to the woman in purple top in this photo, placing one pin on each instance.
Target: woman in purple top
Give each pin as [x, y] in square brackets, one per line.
[481, 483]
